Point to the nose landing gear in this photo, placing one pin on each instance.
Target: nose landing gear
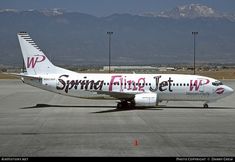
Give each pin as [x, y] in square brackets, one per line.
[205, 105]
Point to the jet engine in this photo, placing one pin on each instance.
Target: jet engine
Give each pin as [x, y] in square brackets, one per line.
[146, 100]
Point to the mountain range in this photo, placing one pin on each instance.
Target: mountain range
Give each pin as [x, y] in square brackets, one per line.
[73, 38]
[191, 11]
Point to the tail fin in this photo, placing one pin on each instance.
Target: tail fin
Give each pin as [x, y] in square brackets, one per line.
[35, 60]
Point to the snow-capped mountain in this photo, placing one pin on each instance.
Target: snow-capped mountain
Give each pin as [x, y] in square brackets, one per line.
[8, 10]
[187, 11]
[52, 12]
[46, 12]
[191, 11]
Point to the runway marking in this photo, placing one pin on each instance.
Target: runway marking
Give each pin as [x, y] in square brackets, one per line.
[136, 142]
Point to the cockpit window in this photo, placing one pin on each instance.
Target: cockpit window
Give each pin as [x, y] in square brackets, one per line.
[217, 83]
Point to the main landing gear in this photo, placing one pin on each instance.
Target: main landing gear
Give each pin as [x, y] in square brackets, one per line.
[125, 104]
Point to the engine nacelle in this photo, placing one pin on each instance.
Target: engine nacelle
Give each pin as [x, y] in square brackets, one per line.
[146, 99]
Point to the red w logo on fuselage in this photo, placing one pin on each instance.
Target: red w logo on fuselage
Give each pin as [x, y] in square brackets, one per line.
[32, 61]
[197, 83]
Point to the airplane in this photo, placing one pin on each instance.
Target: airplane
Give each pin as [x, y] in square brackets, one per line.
[132, 90]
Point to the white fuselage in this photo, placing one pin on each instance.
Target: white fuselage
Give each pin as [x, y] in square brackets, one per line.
[169, 87]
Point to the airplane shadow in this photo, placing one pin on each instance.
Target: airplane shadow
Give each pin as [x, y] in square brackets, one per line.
[69, 106]
[126, 109]
[39, 106]
[161, 107]
[196, 107]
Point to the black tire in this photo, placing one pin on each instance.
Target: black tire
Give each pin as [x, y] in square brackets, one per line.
[132, 105]
[119, 105]
[205, 105]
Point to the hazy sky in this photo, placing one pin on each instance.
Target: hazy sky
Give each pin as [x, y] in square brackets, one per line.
[108, 7]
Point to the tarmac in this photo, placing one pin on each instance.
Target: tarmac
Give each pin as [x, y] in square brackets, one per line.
[34, 122]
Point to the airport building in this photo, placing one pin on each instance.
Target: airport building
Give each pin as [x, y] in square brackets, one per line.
[137, 68]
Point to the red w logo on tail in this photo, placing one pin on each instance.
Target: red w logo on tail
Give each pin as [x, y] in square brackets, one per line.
[32, 61]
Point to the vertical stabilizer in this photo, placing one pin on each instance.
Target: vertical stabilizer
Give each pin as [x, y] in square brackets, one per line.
[35, 60]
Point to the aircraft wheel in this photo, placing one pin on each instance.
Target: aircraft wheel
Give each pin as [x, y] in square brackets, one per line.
[119, 105]
[132, 104]
[123, 105]
[205, 105]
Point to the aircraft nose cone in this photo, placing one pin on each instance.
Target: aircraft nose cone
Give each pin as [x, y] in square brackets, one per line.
[229, 90]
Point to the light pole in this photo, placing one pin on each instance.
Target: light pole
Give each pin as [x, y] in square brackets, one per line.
[109, 33]
[194, 49]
